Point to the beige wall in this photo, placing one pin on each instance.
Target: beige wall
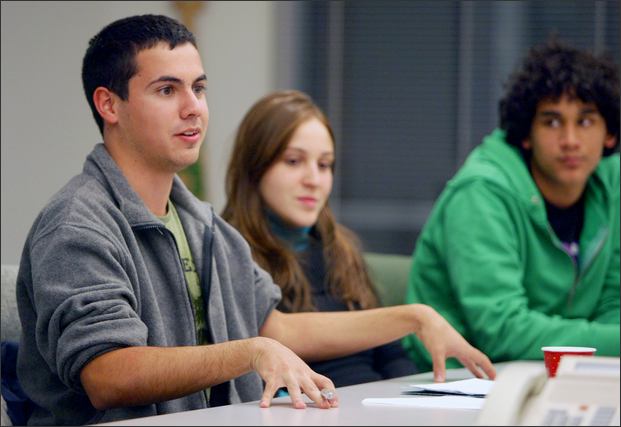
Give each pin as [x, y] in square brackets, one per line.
[47, 127]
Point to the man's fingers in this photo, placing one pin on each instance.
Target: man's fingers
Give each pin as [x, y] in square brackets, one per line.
[296, 395]
[311, 390]
[327, 391]
[268, 393]
[333, 400]
[281, 367]
[321, 390]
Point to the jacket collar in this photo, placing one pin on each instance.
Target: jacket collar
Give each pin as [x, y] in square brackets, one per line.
[498, 162]
[102, 167]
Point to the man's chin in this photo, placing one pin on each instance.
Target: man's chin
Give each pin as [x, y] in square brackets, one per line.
[181, 167]
[188, 158]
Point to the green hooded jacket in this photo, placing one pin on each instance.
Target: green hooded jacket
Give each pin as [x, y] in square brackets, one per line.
[490, 263]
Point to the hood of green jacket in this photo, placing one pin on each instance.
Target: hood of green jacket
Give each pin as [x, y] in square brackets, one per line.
[502, 165]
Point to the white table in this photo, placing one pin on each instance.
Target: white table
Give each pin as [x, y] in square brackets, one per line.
[351, 411]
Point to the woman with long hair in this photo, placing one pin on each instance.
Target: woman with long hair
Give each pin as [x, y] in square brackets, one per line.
[278, 182]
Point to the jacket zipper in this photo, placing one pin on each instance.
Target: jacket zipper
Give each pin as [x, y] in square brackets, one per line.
[579, 273]
[160, 229]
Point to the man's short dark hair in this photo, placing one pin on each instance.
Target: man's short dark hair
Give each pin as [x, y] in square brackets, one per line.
[550, 71]
[110, 60]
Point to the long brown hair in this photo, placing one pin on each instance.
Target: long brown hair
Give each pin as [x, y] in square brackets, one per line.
[262, 137]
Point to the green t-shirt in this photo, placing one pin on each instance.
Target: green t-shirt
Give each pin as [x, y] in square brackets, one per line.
[173, 223]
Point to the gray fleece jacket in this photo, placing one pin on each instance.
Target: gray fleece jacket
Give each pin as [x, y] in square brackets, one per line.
[100, 272]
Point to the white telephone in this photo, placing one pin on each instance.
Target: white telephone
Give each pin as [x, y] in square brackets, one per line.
[585, 391]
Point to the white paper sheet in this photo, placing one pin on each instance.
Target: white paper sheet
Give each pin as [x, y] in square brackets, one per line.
[472, 386]
[444, 402]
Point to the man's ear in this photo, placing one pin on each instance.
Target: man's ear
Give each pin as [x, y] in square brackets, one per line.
[526, 144]
[610, 141]
[106, 103]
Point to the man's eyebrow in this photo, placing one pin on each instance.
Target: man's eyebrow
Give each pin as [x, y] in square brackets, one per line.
[589, 110]
[169, 79]
[554, 113]
[172, 79]
[549, 113]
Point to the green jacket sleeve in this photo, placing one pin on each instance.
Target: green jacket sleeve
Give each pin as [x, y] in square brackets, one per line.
[487, 239]
[608, 305]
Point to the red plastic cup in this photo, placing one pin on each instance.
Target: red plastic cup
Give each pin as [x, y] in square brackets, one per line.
[552, 356]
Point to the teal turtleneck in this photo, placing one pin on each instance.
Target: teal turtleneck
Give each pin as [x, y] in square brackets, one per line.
[297, 237]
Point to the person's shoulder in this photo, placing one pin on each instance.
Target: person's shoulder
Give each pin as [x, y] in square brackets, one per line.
[82, 201]
[231, 249]
[605, 179]
[493, 163]
[228, 235]
[494, 172]
[608, 170]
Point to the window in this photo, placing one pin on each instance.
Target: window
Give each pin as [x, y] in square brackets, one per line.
[412, 86]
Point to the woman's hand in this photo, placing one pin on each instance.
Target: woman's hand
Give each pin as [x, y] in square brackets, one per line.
[443, 341]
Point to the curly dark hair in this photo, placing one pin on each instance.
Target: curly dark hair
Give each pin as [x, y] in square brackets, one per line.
[550, 71]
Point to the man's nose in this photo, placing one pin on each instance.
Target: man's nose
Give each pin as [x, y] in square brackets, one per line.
[570, 136]
[191, 104]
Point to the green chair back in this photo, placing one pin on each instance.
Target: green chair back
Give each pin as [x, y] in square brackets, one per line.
[390, 273]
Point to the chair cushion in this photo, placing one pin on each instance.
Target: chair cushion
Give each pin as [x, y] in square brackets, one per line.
[11, 327]
[18, 404]
[389, 273]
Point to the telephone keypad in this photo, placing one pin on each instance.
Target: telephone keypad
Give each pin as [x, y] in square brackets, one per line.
[583, 415]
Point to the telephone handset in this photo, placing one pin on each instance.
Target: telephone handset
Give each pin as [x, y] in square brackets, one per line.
[585, 391]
